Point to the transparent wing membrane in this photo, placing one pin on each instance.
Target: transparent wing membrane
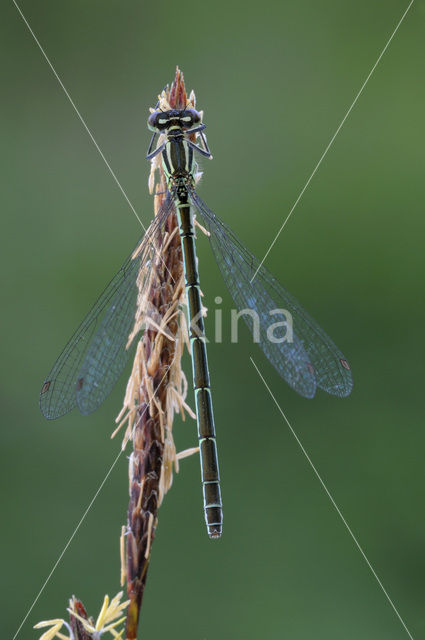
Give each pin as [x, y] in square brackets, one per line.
[95, 356]
[311, 359]
[106, 355]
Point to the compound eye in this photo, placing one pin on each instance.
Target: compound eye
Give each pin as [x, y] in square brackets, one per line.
[152, 121]
[189, 117]
[158, 120]
[196, 117]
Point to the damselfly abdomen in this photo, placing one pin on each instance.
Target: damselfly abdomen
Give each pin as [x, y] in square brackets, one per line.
[93, 359]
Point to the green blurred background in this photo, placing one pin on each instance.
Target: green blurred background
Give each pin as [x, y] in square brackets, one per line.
[275, 80]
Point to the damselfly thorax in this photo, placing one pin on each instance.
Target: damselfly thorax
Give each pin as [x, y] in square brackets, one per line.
[178, 149]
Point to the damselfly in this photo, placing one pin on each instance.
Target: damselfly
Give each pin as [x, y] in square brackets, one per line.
[95, 356]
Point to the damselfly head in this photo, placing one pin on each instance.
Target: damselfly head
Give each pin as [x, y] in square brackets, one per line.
[160, 121]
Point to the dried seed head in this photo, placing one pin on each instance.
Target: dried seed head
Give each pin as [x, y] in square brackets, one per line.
[157, 387]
